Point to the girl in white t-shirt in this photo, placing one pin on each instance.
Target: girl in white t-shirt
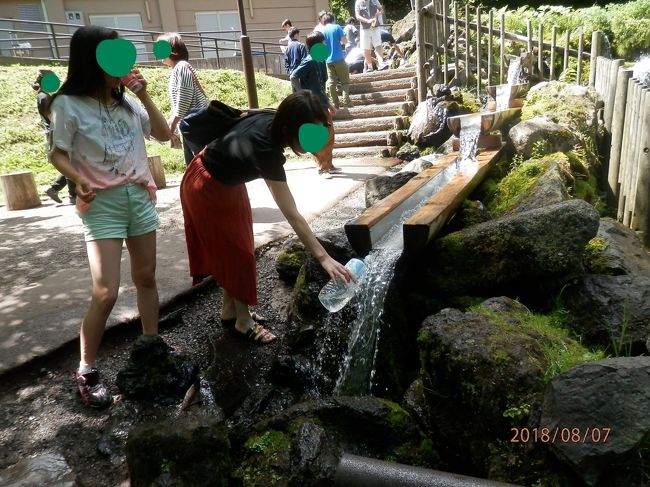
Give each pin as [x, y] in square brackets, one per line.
[98, 142]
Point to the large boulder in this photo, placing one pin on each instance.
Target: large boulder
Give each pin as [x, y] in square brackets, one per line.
[303, 445]
[597, 415]
[516, 250]
[381, 186]
[185, 452]
[616, 250]
[483, 373]
[548, 189]
[408, 152]
[528, 134]
[290, 260]
[418, 165]
[429, 122]
[404, 29]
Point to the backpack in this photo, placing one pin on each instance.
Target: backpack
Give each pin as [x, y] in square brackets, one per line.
[202, 126]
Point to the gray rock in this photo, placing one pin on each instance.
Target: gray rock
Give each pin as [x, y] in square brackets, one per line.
[381, 186]
[417, 165]
[521, 249]
[404, 29]
[48, 470]
[609, 397]
[622, 251]
[611, 310]
[549, 189]
[408, 152]
[527, 133]
[184, 452]
[155, 373]
[314, 454]
[429, 122]
[290, 259]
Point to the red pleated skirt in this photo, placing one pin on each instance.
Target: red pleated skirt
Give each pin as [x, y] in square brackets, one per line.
[219, 232]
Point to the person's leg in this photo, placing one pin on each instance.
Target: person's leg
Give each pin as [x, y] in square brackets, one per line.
[375, 39]
[332, 80]
[245, 324]
[324, 156]
[72, 189]
[366, 44]
[343, 74]
[59, 183]
[104, 260]
[142, 250]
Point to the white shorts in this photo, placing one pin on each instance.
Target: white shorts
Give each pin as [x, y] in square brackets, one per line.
[370, 38]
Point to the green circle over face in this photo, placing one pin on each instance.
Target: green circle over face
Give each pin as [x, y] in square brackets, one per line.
[116, 56]
[162, 49]
[50, 83]
[319, 52]
[313, 137]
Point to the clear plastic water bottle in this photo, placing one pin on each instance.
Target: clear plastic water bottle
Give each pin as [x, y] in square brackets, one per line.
[335, 295]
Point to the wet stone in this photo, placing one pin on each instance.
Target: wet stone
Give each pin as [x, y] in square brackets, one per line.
[48, 470]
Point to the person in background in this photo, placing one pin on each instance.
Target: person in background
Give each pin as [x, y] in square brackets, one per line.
[388, 37]
[320, 25]
[43, 105]
[337, 70]
[217, 211]
[367, 13]
[98, 141]
[311, 75]
[286, 25]
[185, 90]
[351, 34]
[296, 51]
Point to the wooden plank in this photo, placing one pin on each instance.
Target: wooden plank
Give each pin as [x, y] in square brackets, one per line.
[609, 96]
[641, 217]
[553, 47]
[478, 51]
[502, 51]
[567, 43]
[490, 45]
[420, 53]
[467, 44]
[456, 75]
[529, 35]
[445, 48]
[595, 52]
[581, 41]
[618, 123]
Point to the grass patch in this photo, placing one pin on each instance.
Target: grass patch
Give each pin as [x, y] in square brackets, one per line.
[22, 142]
[507, 191]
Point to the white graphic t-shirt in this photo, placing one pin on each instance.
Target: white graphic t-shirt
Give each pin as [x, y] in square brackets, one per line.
[104, 143]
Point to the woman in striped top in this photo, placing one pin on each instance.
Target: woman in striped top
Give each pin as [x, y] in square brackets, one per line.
[185, 90]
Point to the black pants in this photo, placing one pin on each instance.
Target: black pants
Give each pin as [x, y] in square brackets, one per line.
[61, 182]
[189, 150]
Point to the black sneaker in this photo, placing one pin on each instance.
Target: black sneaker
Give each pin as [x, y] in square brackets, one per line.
[53, 194]
[93, 393]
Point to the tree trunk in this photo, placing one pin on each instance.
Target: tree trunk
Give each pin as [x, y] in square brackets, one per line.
[20, 190]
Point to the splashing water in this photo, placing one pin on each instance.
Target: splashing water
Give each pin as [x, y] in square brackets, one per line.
[503, 97]
[470, 129]
[641, 70]
[514, 71]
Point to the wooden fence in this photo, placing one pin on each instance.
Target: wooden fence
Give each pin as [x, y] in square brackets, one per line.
[459, 45]
[627, 121]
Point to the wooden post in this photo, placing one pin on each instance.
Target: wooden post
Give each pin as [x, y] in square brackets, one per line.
[553, 48]
[567, 42]
[467, 44]
[627, 150]
[157, 171]
[641, 217]
[445, 50]
[595, 52]
[610, 94]
[581, 41]
[421, 54]
[502, 51]
[529, 33]
[435, 69]
[618, 123]
[490, 45]
[20, 190]
[456, 75]
[540, 50]
[478, 51]
[247, 58]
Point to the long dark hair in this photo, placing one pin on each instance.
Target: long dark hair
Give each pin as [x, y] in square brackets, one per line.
[299, 108]
[85, 76]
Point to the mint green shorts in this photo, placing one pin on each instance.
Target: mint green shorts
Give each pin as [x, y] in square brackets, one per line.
[121, 212]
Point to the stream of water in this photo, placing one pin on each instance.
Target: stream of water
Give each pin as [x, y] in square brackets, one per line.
[514, 71]
[357, 370]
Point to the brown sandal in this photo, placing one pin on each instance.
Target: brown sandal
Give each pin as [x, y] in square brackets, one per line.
[257, 335]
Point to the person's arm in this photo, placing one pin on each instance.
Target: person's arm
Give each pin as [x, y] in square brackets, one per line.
[159, 128]
[61, 161]
[284, 199]
[359, 17]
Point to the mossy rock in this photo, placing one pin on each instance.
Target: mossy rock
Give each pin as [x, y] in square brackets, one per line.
[290, 260]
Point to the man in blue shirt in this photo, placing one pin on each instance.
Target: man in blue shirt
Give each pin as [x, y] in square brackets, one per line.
[311, 75]
[296, 51]
[337, 70]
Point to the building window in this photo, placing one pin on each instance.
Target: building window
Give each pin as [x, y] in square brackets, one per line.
[221, 25]
[30, 12]
[125, 21]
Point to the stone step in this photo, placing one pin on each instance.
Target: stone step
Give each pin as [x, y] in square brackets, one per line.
[362, 139]
[408, 72]
[369, 124]
[384, 85]
[372, 111]
[383, 97]
[367, 151]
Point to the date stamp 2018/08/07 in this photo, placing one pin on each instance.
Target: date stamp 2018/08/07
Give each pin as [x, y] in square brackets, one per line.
[558, 434]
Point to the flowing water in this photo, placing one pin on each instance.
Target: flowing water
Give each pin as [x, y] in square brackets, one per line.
[503, 97]
[514, 71]
[357, 369]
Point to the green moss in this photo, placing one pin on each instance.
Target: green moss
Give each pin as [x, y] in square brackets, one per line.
[516, 183]
[467, 101]
[261, 467]
[593, 258]
[560, 352]
[291, 258]
[397, 417]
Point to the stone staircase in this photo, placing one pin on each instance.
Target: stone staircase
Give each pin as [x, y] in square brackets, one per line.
[375, 125]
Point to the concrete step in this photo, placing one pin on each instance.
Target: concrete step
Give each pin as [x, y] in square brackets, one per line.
[372, 111]
[363, 139]
[408, 72]
[383, 97]
[369, 125]
[384, 85]
[368, 151]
